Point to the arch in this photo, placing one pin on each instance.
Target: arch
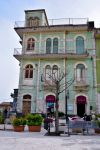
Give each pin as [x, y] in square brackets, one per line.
[29, 71]
[26, 107]
[81, 99]
[80, 45]
[55, 45]
[80, 62]
[50, 99]
[48, 46]
[31, 44]
[86, 105]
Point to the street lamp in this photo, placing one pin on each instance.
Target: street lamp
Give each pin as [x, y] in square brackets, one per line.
[66, 105]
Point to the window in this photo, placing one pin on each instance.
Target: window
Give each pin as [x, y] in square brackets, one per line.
[55, 45]
[29, 71]
[48, 72]
[30, 22]
[30, 44]
[36, 21]
[51, 73]
[48, 46]
[55, 72]
[80, 72]
[33, 22]
[79, 45]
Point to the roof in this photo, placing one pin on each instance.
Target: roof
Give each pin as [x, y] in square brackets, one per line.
[5, 103]
[34, 10]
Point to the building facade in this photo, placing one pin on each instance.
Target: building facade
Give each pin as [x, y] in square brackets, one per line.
[97, 39]
[57, 48]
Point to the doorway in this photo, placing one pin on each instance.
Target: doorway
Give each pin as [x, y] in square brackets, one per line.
[26, 108]
[50, 103]
[80, 110]
[81, 106]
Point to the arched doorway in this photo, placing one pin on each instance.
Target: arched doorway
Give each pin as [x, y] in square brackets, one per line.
[50, 104]
[81, 105]
[26, 104]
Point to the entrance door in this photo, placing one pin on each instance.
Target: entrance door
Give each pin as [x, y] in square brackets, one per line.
[26, 104]
[80, 110]
[26, 107]
[50, 100]
[81, 104]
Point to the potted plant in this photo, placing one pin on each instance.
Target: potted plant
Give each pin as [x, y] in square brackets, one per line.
[19, 124]
[34, 122]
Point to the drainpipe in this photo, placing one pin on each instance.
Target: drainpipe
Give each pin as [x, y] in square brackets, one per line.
[36, 66]
[94, 73]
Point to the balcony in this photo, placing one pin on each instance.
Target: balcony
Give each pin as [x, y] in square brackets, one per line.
[82, 84]
[18, 54]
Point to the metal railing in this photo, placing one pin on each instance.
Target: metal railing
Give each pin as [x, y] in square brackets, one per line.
[18, 51]
[59, 21]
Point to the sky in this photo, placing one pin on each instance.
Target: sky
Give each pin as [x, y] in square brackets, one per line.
[13, 10]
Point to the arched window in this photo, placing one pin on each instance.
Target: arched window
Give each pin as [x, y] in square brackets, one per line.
[55, 45]
[48, 46]
[36, 22]
[80, 72]
[29, 71]
[48, 72]
[55, 72]
[80, 45]
[30, 44]
[30, 22]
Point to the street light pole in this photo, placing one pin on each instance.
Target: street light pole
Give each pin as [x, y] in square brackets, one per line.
[66, 105]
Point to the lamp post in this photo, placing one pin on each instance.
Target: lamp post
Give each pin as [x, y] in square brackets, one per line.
[66, 105]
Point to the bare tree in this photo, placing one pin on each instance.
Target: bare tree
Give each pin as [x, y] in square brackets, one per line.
[58, 85]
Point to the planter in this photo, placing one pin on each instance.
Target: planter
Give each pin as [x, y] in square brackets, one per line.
[9, 127]
[34, 128]
[97, 131]
[19, 128]
[2, 126]
[77, 130]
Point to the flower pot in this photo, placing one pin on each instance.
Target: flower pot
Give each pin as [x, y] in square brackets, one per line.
[18, 128]
[97, 131]
[34, 128]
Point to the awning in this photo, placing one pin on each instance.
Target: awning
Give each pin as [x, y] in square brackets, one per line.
[81, 100]
[50, 99]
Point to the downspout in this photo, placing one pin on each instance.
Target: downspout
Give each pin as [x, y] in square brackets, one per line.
[94, 72]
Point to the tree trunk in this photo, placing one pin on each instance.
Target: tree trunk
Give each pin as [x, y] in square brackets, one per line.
[57, 119]
[57, 110]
